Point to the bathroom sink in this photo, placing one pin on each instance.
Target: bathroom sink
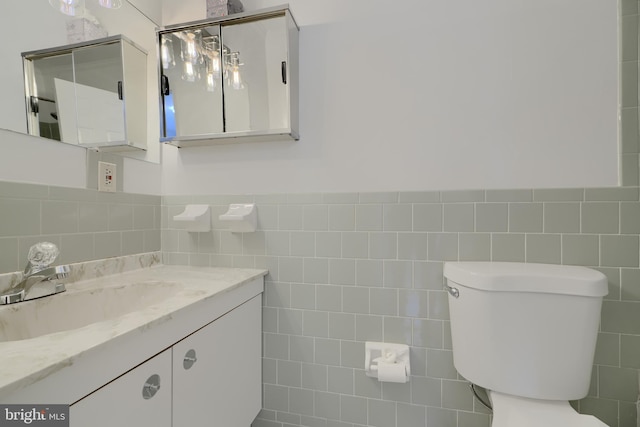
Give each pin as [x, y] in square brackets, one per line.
[79, 307]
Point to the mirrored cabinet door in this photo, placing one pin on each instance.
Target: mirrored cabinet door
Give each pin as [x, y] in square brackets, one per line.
[98, 89]
[134, 93]
[42, 109]
[256, 89]
[191, 80]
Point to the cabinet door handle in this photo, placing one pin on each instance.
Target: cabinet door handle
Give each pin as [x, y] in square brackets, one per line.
[151, 386]
[283, 69]
[33, 104]
[164, 85]
[189, 359]
[120, 96]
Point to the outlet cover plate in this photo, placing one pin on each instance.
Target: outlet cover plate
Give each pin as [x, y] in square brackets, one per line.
[106, 177]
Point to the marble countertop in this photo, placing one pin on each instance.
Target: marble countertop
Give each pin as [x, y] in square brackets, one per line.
[203, 295]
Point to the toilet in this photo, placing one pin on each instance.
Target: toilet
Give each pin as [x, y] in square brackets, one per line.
[527, 334]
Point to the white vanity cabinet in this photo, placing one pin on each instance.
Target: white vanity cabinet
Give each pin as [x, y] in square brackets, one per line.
[210, 378]
[141, 397]
[217, 371]
[192, 359]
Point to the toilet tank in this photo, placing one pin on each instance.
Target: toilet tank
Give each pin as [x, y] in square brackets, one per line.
[525, 329]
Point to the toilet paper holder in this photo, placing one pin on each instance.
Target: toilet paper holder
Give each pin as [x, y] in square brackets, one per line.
[389, 353]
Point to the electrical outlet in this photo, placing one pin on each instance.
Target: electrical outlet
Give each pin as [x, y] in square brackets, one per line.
[106, 177]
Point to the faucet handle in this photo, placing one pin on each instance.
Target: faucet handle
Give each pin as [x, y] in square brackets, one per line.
[41, 255]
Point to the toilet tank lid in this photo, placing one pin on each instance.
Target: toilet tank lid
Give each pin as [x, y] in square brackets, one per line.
[528, 277]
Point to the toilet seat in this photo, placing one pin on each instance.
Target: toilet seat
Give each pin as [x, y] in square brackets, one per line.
[515, 411]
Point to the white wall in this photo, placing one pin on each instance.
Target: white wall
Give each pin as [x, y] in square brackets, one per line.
[26, 158]
[431, 94]
[494, 94]
[150, 8]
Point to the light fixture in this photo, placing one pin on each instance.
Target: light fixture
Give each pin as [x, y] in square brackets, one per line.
[191, 42]
[68, 7]
[212, 52]
[111, 4]
[166, 53]
[235, 80]
[197, 50]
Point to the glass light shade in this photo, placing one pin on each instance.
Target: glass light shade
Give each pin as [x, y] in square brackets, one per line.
[166, 52]
[191, 45]
[235, 79]
[68, 7]
[111, 4]
[212, 51]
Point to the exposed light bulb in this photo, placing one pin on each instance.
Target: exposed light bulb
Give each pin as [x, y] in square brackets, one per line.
[215, 65]
[213, 69]
[236, 79]
[191, 47]
[189, 73]
[211, 82]
[111, 4]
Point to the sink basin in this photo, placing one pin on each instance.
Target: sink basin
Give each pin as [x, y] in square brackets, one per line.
[79, 307]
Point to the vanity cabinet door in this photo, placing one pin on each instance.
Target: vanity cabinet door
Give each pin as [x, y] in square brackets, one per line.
[217, 371]
[141, 398]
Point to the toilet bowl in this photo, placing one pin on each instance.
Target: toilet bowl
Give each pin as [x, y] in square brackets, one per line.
[527, 334]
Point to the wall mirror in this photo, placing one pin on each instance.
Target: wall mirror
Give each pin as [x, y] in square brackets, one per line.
[49, 28]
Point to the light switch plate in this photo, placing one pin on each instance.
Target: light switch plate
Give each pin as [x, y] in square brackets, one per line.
[106, 177]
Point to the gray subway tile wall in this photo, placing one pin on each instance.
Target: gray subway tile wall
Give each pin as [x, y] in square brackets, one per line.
[629, 123]
[86, 225]
[348, 268]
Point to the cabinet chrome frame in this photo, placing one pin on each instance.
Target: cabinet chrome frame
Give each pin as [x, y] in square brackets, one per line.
[241, 136]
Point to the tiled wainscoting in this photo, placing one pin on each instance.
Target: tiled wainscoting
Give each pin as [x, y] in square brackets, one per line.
[629, 94]
[348, 268]
[84, 224]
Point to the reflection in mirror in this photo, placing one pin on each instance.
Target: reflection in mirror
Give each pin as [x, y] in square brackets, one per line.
[192, 71]
[230, 78]
[94, 94]
[49, 28]
[258, 94]
[44, 117]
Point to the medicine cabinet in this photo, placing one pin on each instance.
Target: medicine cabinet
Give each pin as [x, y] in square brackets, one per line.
[91, 94]
[230, 79]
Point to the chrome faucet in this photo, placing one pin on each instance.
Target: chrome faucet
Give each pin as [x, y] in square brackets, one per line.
[39, 279]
